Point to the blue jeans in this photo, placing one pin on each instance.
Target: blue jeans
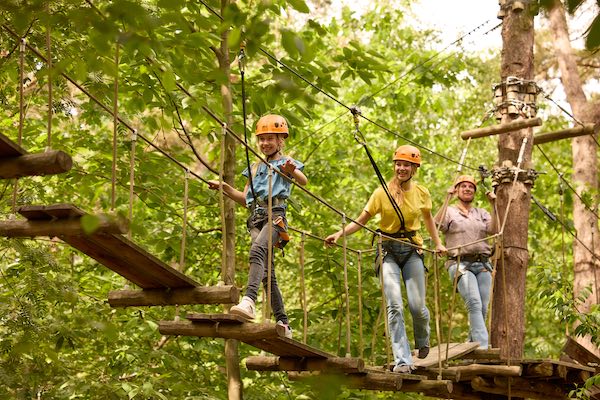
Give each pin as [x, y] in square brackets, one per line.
[259, 232]
[474, 284]
[413, 275]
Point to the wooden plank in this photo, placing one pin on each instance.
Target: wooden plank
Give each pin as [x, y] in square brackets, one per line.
[61, 210]
[501, 128]
[216, 318]
[114, 251]
[334, 364]
[246, 331]
[225, 294]
[542, 387]
[580, 354]
[59, 228]
[284, 347]
[487, 386]
[546, 137]
[467, 372]
[8, 148]
[130, 261]
[368, 381]
[455, 350]
[50, 162]
[483, 354]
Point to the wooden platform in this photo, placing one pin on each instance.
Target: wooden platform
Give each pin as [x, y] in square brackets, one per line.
[265, 336]
[15, 162]
[443, 353]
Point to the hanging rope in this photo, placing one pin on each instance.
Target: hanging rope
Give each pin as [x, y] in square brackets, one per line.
[452, 303]
[21, 114]
[348, 353]
[360, 306]
[185, 218]
[49, 64]
[222, 199]
[270, 244]
[303, 290]
[384, 301]
[113, 197]
[131, 179]
[438, 316]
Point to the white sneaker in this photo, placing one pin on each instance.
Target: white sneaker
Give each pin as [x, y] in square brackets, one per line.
[288, 331]
[403, 369]
[245, 308]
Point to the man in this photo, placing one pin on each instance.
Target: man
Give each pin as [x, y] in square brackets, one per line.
[465, 227]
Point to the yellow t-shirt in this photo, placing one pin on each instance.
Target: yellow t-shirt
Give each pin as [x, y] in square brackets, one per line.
[416, 200]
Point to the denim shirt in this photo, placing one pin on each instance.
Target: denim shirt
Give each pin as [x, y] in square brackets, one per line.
[260, 181]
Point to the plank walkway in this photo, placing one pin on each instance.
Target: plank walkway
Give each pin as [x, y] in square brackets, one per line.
[162, 284]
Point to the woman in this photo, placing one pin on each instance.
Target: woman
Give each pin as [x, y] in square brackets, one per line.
[401, 260]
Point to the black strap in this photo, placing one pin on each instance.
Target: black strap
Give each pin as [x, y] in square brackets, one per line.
[355, 113]
[241, 60]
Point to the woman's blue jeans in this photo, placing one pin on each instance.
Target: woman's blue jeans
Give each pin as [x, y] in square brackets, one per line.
[259, 232]
[474, 284]
[413, 275]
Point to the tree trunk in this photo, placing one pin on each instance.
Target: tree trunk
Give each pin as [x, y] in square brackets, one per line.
[234, 382]
[585, 167]
[508, 311]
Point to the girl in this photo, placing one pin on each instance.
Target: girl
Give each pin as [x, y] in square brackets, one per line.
[271, 132]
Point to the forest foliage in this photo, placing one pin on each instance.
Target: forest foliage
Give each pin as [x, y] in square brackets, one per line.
[59, 339]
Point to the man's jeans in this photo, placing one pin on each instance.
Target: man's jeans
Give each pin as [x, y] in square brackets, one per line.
[413, 275]
[474, 284]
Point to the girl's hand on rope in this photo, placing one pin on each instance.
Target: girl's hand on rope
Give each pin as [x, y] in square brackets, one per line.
[288, 168]
[216, 185]
[451, 191]
[491, 196]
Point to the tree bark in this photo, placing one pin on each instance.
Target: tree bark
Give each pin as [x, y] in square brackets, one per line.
[513, 201]
[585, 167]
[234, 382]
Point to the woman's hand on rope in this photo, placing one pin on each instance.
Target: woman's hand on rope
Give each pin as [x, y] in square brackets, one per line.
[440, 249]
[332, 239]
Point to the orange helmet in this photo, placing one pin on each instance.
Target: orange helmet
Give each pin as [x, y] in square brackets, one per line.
[465, 178]
[408, 153]
[272, 123]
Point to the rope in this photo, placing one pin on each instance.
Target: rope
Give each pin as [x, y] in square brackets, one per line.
[560, 175]
[383, 300]
[184, 224]
[360, 306]
[497, 248]
[270, 243]
[21, 114]
[303, 290]
[131, 179]
[438, 316]
[348, 353]
[113, 197]
[222, 200]
[242, 63]
[511, 193]
[452, 303]
[49, 52]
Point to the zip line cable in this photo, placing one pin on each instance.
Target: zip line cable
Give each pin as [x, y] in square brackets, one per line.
[567, 183]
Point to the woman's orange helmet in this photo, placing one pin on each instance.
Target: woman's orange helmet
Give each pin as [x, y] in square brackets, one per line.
[408, 153]
[465, 178]
[272, 123]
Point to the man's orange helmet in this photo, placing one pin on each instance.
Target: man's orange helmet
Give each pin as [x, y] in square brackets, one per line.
[272, 123]
[465, 178]
[408, 153]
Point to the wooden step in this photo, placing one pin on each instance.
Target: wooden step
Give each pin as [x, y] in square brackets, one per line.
[454, 350]
[114, 251]
[265, 336]
[15, 162]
